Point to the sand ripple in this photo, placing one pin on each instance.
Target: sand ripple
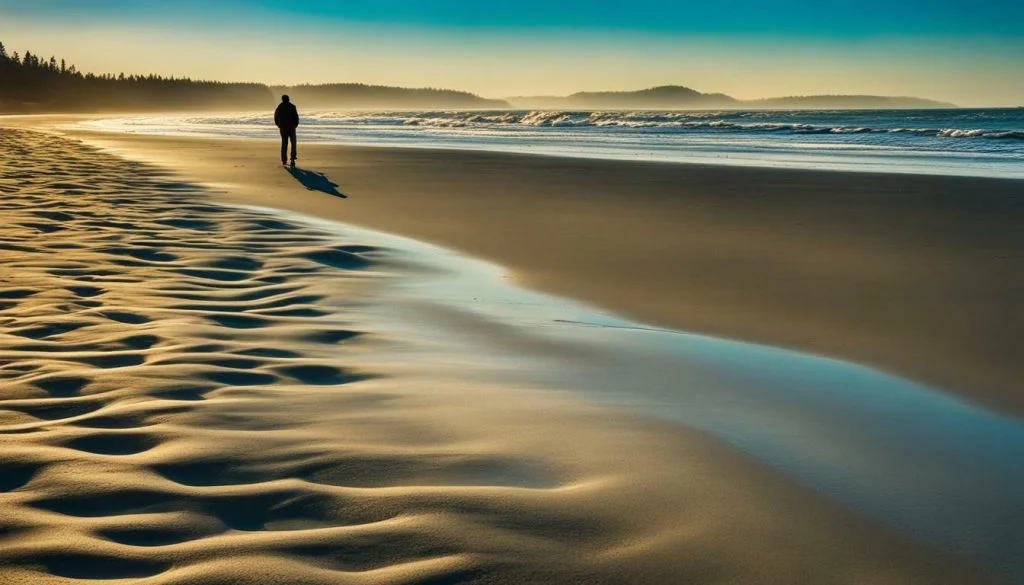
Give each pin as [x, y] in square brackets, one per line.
[138, 324]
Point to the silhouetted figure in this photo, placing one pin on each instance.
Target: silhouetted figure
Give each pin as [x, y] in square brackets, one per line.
[286, 117]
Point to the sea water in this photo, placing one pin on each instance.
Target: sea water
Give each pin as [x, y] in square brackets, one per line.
[967, 142]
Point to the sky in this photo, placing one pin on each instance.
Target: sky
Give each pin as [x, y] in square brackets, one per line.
[969, 52]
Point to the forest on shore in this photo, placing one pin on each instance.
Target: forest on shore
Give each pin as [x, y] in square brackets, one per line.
[32, 84]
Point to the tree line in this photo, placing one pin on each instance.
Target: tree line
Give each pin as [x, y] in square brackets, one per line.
[31, 83]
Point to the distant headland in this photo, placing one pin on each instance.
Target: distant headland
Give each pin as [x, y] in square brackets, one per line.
[671, 97]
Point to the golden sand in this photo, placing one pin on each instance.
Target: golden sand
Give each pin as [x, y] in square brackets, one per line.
[188, 395]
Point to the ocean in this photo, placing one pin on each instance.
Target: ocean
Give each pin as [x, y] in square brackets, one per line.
[967, 142]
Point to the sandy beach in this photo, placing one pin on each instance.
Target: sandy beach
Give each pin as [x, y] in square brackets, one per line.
[198, 393]
[915, 275]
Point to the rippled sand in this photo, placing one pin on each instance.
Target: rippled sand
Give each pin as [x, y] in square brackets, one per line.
[190, 395]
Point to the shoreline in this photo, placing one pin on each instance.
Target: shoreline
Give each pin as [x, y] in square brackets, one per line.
[913, 275]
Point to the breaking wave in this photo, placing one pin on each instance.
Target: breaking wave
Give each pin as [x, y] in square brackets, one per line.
[723, 121]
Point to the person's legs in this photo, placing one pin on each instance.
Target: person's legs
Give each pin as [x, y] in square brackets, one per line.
[284, 146]
[293, 136]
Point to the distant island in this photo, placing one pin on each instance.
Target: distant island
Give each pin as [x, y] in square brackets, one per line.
[358, 95]
[30, 84]
[666, 97]
[675, 97]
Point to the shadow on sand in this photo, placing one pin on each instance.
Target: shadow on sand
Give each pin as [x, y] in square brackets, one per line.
[315, 181]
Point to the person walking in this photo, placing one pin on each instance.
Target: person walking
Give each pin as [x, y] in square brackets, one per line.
[286, 118]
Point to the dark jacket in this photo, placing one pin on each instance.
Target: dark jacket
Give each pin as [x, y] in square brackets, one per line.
[286, 116]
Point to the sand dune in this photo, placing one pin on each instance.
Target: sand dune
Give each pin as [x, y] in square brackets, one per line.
[189, 395]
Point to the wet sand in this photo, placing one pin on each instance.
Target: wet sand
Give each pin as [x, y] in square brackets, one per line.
[915, 275]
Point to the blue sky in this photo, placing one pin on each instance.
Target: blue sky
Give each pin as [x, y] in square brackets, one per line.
[838, 18]
[963, 51]
[830, 18]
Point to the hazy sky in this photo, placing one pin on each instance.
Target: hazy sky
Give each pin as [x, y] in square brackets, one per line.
[970, 52]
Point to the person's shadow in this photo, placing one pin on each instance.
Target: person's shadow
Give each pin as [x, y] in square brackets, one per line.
[315, 181]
